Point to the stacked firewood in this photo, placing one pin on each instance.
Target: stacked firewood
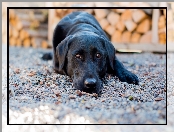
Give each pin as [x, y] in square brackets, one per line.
[121, 25]
[125, 25]
[27, 28]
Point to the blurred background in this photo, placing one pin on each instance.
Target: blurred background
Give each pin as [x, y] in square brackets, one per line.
[128, 29]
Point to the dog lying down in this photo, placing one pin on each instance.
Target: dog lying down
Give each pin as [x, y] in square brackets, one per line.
[82, 51]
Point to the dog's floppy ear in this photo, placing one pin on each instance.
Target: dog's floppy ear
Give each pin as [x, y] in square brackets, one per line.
[61, 52]
[110, 51]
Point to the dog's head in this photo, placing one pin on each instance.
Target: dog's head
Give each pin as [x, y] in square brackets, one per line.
[86, 58]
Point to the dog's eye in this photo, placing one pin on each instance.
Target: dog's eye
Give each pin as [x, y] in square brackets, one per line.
[78, 56]
[98, 55]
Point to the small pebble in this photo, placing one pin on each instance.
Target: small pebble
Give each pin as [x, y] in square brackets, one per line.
[72, 96]
[17, 71]
[130, 98]
[79, 93]
[158, 99]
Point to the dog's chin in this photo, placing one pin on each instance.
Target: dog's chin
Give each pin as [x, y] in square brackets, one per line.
[90, 90]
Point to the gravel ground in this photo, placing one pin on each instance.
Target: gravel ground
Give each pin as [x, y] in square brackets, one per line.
[38, 95]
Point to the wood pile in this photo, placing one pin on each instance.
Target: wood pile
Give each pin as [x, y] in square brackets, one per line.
[28, 28]
[121, 25]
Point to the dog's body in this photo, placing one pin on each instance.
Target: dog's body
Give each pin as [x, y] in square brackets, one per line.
[82, 51]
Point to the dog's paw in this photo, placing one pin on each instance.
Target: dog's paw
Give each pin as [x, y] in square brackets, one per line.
[129, 77]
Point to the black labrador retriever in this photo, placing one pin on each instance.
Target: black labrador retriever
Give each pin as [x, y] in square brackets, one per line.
[82, 51]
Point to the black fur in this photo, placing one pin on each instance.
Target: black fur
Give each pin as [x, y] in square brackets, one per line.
[82, 51]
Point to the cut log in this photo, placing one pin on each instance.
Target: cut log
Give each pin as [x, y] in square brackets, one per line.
[19, 25]
[135, 38]
[162, 41]
[44, 44]
[23, 34]
[27, 42]
[110, 30]
[33, 43]
[138, 15]
[144, 26]
[146, 38]
[18, 42]
[116, 37]
[162, 22]
[113, 18]
[162, 36]
[120, 26]
[12, 41]
[12, 14]
[15, 33]
[130, 25]
[126, 15]
[101, 13]
[13, 22]
[104, 23]
[34, 24]
[126, 36]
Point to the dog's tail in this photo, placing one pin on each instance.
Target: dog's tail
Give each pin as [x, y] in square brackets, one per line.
[47, 56]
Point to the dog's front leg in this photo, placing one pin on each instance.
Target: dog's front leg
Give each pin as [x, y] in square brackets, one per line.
[123, 74]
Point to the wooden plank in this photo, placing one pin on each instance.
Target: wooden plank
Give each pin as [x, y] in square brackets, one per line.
[31, 17]
[38, 33]
[51, 15]
[155, 18]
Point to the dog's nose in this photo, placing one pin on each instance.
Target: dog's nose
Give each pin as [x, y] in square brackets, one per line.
[90, 82]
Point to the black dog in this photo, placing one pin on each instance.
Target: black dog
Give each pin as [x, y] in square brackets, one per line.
[82, 51]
